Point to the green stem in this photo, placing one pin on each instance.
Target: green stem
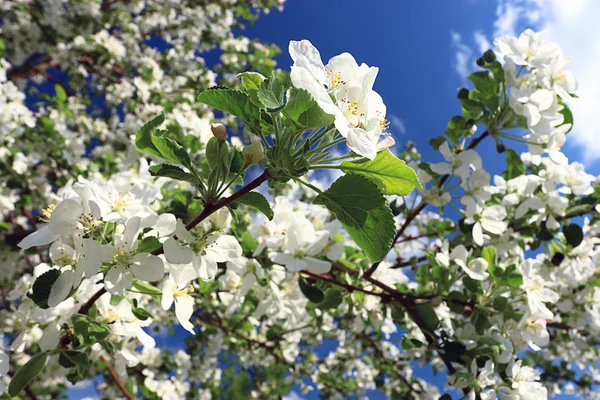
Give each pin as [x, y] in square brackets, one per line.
[223, 189]
[303, 182]
[320, 148]
[345, 157]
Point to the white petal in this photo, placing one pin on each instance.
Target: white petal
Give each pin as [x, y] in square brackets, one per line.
[306, 56]
[167, 294]
[183, 274]
[41, 237]
[92, 257]
[206, 268]
[4, 364]
[50, 337]
[224, 248]
[317, 266]
[296, 264]
[477, 234]
[166, 224]
[184, 308]
[361, 143]
[281, 258]
[147, 267]
[117, 280]
[177, 254]
[61, 288]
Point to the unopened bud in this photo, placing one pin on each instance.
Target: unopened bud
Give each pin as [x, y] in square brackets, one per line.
[253, 153]
[219, 130]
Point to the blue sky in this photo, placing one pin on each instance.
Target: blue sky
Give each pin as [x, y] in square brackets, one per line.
[424, 49]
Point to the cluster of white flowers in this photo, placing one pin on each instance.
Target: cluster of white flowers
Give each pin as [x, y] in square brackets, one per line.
[496, 298]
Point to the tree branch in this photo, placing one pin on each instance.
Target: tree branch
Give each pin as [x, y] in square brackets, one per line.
[421, 207]
[116, 379]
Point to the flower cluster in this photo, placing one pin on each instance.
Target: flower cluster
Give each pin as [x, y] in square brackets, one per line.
[107, 252]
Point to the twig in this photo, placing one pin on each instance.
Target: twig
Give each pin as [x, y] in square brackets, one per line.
[418, 210]
[116, 379]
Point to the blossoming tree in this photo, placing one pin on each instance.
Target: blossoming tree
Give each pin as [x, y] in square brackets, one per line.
[129, 207]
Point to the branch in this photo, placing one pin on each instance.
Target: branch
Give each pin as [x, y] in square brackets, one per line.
[208, 210]
[211, 208]
[348, 287]
[418, 210]
[269, 348]
[116, 379]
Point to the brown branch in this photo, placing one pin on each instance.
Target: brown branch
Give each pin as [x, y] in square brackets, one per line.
[29, 69]
[211, 208]
[116, 379]
[269, 348]
[348, 287]
[208, 210]
[90, 303]
[402, 264]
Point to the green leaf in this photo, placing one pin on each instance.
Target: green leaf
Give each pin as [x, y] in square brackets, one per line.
[364, 213]
[235, 103]
[573, 234]
[304, 111]
[147, 288]
[89, 331]
[391, 175]
[270, 93]
[143, 139]
[251, 80]
[484, 81]
[428, 316]
[42, 286]
[312, 293]
[568, 116]
[258, 202]
[140, 313]
[514, 165]
[148, 245]
[26, 373]
[170, 150]
[75, 359]
[173, 172]
[212, 151]
[61, 94]
[333, 298]
[489, 255]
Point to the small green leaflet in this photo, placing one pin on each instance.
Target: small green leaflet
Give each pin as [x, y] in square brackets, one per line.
[42, 286]
[270, 93]
[304, 110]
[332, 299]
[514, 165]
[26, 373]
[251, 81]
[258, 202]
[170, 150]
[235, 103]
[143, 139]
[428, 316]
[363, 211]
[391, 175]
[173, 172]
[312, 293]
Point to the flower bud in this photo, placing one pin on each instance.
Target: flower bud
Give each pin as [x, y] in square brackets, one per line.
[219, 130]
[253, 153]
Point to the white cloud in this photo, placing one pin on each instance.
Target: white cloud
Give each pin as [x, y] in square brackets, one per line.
[483, 44]
[463, 57]
[397, 124]
[573, 25]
